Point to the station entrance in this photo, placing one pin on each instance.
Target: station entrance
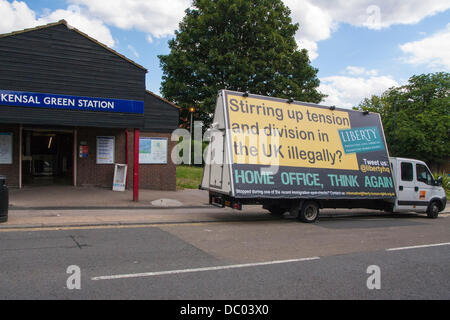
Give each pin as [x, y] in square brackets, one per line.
[47, 157]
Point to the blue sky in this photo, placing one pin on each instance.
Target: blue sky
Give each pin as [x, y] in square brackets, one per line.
[361, 47]
[376, 49]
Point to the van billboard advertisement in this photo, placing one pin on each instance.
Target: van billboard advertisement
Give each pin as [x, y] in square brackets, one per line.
[291, 150]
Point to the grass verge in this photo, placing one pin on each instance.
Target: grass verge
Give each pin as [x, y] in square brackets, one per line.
[189, 177]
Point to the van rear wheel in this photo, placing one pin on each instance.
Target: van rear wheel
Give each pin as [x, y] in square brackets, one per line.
[309, 212]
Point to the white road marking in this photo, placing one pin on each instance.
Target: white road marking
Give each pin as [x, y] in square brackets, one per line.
[421, 246]
[161, 273]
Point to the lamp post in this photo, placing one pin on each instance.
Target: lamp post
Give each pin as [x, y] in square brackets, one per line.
[191, 111]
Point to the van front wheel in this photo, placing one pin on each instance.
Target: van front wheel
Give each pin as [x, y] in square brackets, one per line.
[433, 210]
[309, 212]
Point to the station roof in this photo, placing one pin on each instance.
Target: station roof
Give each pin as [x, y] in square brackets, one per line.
[64, 22]
[162, 99]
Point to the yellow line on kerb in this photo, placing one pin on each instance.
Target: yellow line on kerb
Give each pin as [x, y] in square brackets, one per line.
[126, 226]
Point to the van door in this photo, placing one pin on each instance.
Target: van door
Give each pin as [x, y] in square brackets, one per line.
[408, 191]
[217, 159]
[425, 183]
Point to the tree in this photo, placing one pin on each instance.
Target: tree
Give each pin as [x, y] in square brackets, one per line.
[416, 117]
[241, 45]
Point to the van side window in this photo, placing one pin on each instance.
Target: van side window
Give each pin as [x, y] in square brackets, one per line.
[407, 171]
[423, 174]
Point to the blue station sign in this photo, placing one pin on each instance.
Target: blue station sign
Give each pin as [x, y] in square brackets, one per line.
[57, 101]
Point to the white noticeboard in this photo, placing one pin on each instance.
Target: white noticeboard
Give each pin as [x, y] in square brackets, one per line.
[153, 150]
[105, 150]
[120, 177]
[6, 148]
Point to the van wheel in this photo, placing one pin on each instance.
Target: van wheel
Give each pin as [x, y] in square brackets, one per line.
[433, 210]
[276, 210]
[309, 212]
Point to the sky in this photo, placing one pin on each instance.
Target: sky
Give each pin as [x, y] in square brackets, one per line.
[361, 47]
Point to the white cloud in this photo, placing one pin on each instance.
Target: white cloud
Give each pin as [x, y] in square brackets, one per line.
[318, 19]
[17, 15]
[376, 14]
[316, 24]
[157, 18]
[347, 91]
[352, 70]
[433, 51]
[76, 18]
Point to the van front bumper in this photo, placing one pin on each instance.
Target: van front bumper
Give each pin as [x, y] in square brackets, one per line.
[444, 203]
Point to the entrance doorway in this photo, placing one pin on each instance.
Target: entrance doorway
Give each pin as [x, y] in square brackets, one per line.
[47, 157]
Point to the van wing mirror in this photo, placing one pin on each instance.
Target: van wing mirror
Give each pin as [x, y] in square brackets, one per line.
[439, 181]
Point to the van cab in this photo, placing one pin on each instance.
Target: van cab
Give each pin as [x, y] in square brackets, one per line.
[416, 189]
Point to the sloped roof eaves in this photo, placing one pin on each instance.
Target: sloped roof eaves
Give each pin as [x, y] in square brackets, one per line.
[64, 22]
[162, 99]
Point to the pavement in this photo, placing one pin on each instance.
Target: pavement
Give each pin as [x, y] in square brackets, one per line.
[68, 197]
[65, 206]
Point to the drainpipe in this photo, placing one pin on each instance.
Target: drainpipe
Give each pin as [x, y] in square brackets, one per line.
[75, 157]
[127, 135]
[20, 155]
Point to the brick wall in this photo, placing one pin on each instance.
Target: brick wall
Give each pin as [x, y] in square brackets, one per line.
[11, 171]
[89, 173]
[158, 176]
[151, 176]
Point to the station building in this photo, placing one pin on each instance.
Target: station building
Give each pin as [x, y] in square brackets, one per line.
[71, 108]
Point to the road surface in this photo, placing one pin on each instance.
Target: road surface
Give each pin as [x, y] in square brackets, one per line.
[399, 257]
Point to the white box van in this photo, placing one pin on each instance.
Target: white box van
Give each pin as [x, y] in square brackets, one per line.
[417, 190]
[298, 157]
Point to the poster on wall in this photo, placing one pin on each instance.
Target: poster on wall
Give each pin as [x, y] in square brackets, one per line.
[153, 150]
[6, 148]
[105, 150]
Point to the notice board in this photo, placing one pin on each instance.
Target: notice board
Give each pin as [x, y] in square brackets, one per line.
[105, 150]
[152, 150]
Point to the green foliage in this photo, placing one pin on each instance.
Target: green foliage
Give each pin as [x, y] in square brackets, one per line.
[242, 45]
[416, 117]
